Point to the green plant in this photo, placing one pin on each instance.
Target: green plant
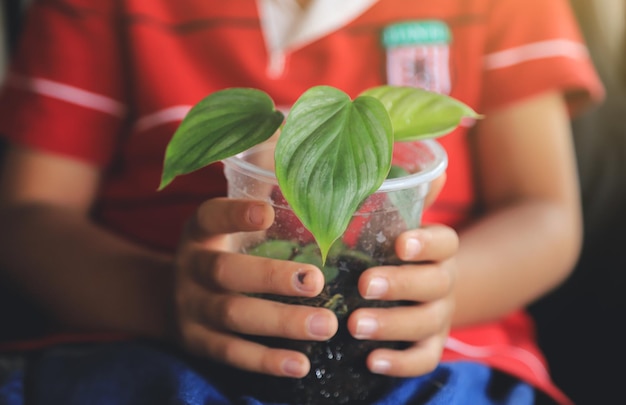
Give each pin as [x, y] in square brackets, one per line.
[332, 153]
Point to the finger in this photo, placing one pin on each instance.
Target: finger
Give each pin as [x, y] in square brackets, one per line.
[412, 282]
[225, 215]
[431, 242]
[435, 188]
[253, 274]
[410, 323]
[261, 317]
[245, 354]
[419, 359]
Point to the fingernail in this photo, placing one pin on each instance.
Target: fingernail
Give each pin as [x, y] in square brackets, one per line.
[304, 281]
[413, 247]
[319, 325]
[294, 368]
[365, 328]
[377, 287]
[256, 214]
[381, 366]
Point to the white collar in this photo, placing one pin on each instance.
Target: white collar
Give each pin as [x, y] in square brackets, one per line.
[287, 27]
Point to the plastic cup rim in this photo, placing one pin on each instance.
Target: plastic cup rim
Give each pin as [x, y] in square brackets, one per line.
[429, 173]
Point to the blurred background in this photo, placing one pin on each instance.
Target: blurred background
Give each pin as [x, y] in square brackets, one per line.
[10, 18]
[581, 325]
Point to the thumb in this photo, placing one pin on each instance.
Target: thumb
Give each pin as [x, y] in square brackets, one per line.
[224, 215]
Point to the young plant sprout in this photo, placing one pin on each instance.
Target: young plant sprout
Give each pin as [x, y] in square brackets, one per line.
[332, 152]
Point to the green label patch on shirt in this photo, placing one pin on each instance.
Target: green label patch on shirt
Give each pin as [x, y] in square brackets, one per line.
[416, 32]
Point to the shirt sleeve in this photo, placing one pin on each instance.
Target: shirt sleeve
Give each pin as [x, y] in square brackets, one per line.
[64, 88]
[536, 46]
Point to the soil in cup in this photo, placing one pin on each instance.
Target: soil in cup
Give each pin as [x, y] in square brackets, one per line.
[338, 370]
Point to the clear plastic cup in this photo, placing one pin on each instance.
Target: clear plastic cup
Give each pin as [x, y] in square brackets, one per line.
[395, 207]
[338, 373]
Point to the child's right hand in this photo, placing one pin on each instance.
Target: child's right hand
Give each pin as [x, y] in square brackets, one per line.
[212, 310]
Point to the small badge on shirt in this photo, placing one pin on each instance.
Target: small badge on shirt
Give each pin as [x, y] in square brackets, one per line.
[418, 54]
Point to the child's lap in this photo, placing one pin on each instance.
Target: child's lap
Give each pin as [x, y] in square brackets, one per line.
[137, 373]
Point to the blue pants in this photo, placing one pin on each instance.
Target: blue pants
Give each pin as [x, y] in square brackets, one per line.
[133, 373]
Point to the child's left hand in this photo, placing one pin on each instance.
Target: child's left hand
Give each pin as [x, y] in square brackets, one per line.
[428, 281]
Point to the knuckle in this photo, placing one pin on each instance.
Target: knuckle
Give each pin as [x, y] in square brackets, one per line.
[271, 276]
[423, 361]
[286, 329]
[213, 268]
[187, 304]
[227, 313]
[431, 361]
[448, 282]
[444, 281]
[294, 324]
[439, 315]
[435, 351]
[194, 342]
[205, 214]
[404, 368]
[228, 352]
[268, 363]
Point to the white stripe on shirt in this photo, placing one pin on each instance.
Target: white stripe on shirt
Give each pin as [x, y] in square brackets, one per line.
[175, 114]
[537, 50]
[519, 354]
[167, 115]
[70, 94]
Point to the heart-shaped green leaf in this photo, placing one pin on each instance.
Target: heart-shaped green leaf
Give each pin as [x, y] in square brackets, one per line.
[332, 153]
[223, 124]
[418, 114]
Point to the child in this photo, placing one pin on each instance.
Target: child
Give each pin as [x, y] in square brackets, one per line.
[98, 88]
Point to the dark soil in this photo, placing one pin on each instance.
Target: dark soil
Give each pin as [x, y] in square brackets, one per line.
[338, 370]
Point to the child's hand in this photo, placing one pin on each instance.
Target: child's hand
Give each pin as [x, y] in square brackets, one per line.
[211, 310]
[429, 283]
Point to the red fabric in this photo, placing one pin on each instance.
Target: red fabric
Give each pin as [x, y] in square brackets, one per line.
[128, 69]
[507, 345]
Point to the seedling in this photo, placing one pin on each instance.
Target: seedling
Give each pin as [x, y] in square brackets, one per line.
[332, 152]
